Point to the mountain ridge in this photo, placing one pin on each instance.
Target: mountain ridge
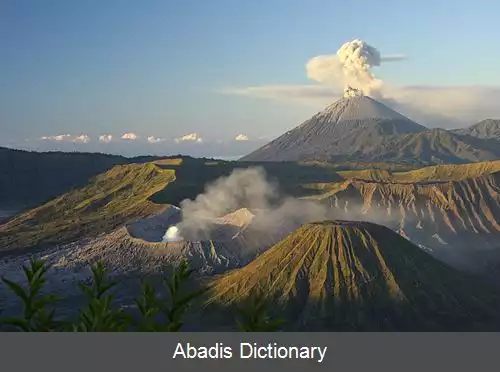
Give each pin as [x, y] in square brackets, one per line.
[359, 276]
[362, 129]
[485, 129]
[343, 126]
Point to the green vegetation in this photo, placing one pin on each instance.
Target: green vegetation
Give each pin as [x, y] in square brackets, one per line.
[448, 172]
[254, 317]
[359, 276]
[110, 200]
[131, 191]
[36, 316]
[359, 165]
[101, 315]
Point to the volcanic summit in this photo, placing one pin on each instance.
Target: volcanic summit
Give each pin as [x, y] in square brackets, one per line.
[348, 126]
[356, 275]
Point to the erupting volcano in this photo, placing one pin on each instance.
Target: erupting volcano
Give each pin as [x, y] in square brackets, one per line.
[348, 126]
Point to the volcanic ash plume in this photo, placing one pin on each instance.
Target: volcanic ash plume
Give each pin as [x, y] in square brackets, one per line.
[357, 59]
[350, 67]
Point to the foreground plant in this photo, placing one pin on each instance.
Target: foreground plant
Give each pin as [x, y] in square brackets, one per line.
[167, 315]
[101, 315]
[37, 316]
[254, 316]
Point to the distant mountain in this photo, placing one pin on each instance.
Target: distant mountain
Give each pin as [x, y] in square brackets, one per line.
[486, 129]
[350, 125]
[435, 146]
[359, 276]
[359, 128]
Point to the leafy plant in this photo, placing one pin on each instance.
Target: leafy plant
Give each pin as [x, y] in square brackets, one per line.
[99, 315]
[254, 316]
[36, 317]
[173, 310]
[148, 306]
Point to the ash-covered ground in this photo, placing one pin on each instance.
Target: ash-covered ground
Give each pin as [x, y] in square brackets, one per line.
[143, 248]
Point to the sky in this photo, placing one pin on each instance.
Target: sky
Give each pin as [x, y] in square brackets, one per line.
[192, 76]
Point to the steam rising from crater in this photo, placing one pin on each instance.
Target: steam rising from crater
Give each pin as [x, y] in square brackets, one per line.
[172, 235]
[250, 188]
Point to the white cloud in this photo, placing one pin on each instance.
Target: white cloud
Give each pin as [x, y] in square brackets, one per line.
[152, 139]
[189, 137]
[241, 137]
[59, 137]
[83, 138]
[106, 138]
[129, 136]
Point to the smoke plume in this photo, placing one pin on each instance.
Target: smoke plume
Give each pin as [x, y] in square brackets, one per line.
[250, 188]
[246, 188]
[350, 67]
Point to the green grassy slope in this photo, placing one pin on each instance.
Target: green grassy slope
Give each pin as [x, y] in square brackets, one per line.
[443, 172]
[110, 199]
[359, 276]
[136, 190]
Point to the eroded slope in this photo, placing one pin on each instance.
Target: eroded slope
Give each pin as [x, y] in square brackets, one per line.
[459, 220]
[338, 275]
